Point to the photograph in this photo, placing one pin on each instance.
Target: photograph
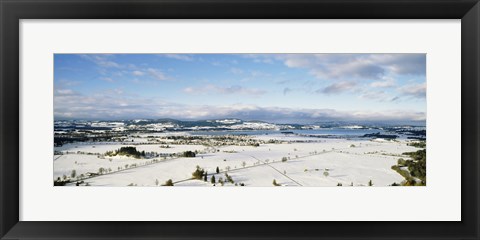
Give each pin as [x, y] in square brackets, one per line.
[305, 119]
[240, 120]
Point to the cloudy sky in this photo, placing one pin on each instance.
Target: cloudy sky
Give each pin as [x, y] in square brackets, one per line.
[284, 88]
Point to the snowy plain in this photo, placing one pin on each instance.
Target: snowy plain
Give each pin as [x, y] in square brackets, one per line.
[322, 162]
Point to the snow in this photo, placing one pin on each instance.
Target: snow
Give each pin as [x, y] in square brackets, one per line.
[366, 160]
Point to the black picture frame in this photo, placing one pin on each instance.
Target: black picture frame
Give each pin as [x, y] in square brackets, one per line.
[13, 10]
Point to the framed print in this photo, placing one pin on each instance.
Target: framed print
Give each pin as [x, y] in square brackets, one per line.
[159, 119]
[216, 132]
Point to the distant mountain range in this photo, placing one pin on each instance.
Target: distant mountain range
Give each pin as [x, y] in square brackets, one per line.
[218, 124]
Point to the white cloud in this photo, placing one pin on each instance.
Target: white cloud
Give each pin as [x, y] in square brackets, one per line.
[107, 105]
[108, 67]
[138, 73]
[377, 95]
[353, 66]
[235, 89]
[157, 74]
[236, 71]
[338, 87]
[68, 104]
[189, 90]
[217, 64]
[67, 83]
[107, 79]
[415, 90]
[386, 83]
[101, 60]
[117, 91]
[256, 73]
[183, 57]
[380, 96]
[260, 58]
[410, 64]
[64, 92]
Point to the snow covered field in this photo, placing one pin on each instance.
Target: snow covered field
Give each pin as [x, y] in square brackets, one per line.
[325, 162]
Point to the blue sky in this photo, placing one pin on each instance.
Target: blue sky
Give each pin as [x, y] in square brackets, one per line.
[301, 88]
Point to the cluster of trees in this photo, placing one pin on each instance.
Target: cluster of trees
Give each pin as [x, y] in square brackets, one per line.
[169, 182]
[229, 178]
[221, 181]
[104, 170]
[237, 140]
[189, 154]
[417, 168]
[199, 173]
[59, 182]
[127, 151]
[420, 144]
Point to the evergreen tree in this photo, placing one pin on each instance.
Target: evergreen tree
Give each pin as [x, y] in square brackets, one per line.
[217, 170]
[213, 179]
[73, 174]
